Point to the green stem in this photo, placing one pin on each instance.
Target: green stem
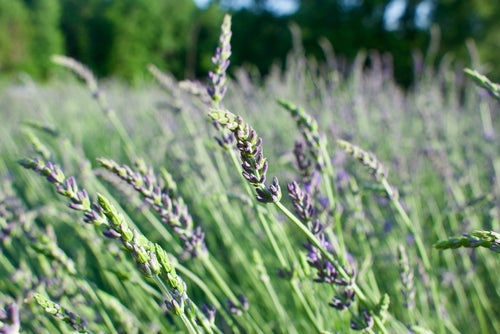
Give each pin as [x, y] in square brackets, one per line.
[359, 293]
[213, 299]
[219, 281]
[274, 244]
[306, 306]
[419, 243]
[191, 329]
[407, 221]
[327, 176]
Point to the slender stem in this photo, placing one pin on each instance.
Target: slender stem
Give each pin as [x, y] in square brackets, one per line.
[95, 296]
[275, 246]
[312, 238]
[328, 175]
[359, 293]
[223, 286]
[407, 221]
[218, 279]
[418, 241]
[213, 299]
[166, 294]
[122, 133]
[307, 308]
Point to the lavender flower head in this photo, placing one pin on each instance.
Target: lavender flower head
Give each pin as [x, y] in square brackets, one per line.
[221, 62]
[326, 272]
[253, 163]
[73, 320]
[368, 159]
[163, 199]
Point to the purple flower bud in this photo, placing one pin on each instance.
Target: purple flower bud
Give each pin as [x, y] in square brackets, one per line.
[111, 234]
[233, 309]
[338, 304]
[209, 312]
[92, 217]
[244, 302]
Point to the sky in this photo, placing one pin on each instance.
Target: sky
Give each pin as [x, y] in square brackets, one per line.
[281, 7]
[396, 9]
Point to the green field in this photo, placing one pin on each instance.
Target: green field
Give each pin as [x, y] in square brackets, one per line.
[351, 249]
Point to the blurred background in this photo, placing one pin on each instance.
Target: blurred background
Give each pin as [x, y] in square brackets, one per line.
[118, 38]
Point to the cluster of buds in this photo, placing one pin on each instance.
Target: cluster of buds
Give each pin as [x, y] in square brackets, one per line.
[304, 163]
[11, 213]
[239, 310]
[407, 278]
[344, 301]
[365, 322]
[367, 159]
[165, 201]
[252, 158]
[150, 258]
[487, 239]
[217, 87]
[325, 270]
[73, 320]
[220, 61]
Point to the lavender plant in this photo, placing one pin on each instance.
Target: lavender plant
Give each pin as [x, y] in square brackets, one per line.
[254, 168]
[378, 170]
[332, 262]
[486, 239]
[484, 82]
[165, 201]
[253, 163]
[151, 260]
[98, 94]
[217, 88]
[73, 320]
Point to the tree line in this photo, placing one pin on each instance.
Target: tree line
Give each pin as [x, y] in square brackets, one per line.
[120, 37]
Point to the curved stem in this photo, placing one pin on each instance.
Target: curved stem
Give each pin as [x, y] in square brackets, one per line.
[359, 293]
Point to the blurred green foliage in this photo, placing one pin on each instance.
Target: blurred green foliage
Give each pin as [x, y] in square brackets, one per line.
[120, 38]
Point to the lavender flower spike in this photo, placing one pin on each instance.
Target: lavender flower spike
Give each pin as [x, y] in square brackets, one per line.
[74, 321]
[217, 88]
[251, 154]
[368, 159]
[171, 207]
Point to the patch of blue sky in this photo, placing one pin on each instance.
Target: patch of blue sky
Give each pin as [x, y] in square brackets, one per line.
[280, 7]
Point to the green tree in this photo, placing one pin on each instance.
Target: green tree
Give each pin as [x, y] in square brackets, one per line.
[14, 36]
[46, 37]
[259, 38]
[146, 31]
[88, 34]
[203, 40]
[354, 25]
[477, 20]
